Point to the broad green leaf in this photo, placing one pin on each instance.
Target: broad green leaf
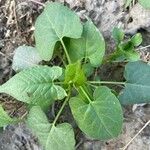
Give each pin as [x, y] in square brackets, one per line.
[137, 87]
[118, 35]
[56, 22]
[74, 74]
[60, 137]
[145, 3]
[102, 117]
[137, 39]
[35, 85]
[91, 46]
[4, 118]
[25, 57]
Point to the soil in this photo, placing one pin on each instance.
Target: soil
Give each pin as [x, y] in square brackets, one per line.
[17, 18]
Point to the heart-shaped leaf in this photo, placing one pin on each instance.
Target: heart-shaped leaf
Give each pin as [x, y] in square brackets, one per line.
[101, 118]
[91, 46]
[35, 85]
[56, 22]
[25, 57]
[137, 87]
[60, 137]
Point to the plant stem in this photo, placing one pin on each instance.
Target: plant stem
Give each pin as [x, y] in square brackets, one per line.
[106, 82]
[59, 83]
[64, 47]
[62, 107]
[84, 92]
[95, 86]
[67, 98]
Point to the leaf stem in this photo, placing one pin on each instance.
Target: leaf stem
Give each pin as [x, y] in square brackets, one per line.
[59, 83]
[106, 82]
[84, 92]
[61, 109]
[95, 86]
[67, 55]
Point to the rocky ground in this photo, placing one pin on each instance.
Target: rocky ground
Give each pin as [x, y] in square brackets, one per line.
[17, 19]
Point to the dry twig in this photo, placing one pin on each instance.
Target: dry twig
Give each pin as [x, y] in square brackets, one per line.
[126, 146]
[39, 3]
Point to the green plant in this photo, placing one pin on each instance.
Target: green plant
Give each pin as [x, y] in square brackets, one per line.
[125, 48]
[95, 108]
[144, 3]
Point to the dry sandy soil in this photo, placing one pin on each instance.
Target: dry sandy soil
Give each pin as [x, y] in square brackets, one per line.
[17, 19]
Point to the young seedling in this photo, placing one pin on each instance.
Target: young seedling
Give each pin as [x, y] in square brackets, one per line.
[125, 48]
[95, 108]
